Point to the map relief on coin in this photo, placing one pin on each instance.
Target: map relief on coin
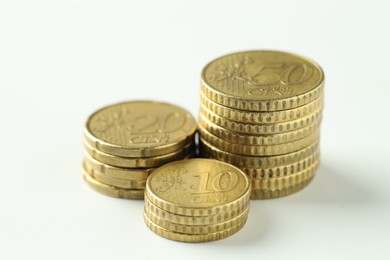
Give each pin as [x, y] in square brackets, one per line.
[198, 187]
[129, 125]
[261, 75]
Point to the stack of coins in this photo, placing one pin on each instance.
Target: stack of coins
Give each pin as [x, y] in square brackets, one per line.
[125, 142]
[196, 200]
[261, 111]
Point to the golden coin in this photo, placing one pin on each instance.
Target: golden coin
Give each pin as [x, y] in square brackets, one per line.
[248, 128]
[191, 238]
[133, 174]
[262, 117]
[248, 139]
[262, 80]
[283, 170]
[140, 129]
[197, 187]
[119, 183]
[111, 190]
[259, 194]
[146, 162]
[195, 220]
[247, 161]
[258, 150]
[284, 182]
[197, 229]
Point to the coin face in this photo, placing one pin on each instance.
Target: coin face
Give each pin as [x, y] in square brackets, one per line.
[141, 128]
[262, 75]
[197, 185]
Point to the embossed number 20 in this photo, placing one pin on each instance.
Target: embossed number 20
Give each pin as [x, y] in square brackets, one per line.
[215, 184]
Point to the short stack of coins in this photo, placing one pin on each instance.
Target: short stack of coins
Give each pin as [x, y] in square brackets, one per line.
[196, 200]
[125, 142]
[261, 111]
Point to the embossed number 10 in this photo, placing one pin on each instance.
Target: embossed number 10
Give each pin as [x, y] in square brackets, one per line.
[221, 182]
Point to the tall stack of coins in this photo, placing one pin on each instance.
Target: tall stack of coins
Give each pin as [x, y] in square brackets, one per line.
[261, 111]
[196, 200]
[125, 142]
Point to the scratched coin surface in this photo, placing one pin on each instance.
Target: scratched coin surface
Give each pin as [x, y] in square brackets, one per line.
[262, 80]
[140, 129]
[197, 187]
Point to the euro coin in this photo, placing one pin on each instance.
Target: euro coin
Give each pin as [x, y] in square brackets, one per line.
[195, 220]
[139, 129]
[134, 174]
[258, 139]
[191, 238]
[262, 117]
[263, 129]
[111, 190]
[197, 187]
[138, 162]
[283, 170]
[120, 183]
[197, 229]
[258, 150]
[262, 81]
[245, 161]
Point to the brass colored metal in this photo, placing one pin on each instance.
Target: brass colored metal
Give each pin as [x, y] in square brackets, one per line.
[265, 129]
[265, 162]
[284, 182]
[195, 220]
[197, 187]
[141, 162]
[191, 238]
[133, 174]
[197, 229]
[260, 194]
[119, 183]
[281, 171]
[262, 80]
[252, 139]
[140, 129]
[262, 117]
[111, 190]
[258, 150]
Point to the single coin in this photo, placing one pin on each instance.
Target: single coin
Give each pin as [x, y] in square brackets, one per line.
[258, 150]
[140, 129]
[191, 238]
[197, 187]
[284, 182]
[249, 128]
[195, 220]
[246, 161]
[146, 162]
[262, 117]
[262, 80]
[197, 229]
[251, 139]
[132, 174]
[260, 194]
[284, 170]
[119, 183]
[111, 190]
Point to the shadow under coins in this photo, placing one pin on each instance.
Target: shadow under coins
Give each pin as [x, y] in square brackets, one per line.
[332, 184]
[335, 184]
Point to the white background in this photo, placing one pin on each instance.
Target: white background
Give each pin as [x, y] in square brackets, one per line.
[61, 60]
